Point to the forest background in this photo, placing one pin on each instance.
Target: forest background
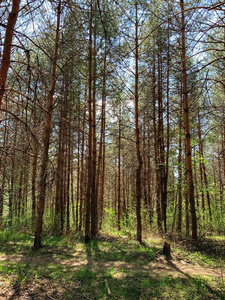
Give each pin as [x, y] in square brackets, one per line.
[112, 141]
[112, 116]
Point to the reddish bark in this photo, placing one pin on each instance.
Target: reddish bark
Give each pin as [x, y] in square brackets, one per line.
[187, 127]
[8, 46]
[46, 142]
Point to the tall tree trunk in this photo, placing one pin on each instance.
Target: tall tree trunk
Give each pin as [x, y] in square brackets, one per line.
[119, 175]
[82, 170]
[187, 127]
[5, 63]
[100, 167]
[220, 182]
[195, 177]
[149, 176]
[94, 216]
[168, 127]
[138, 151]
[124, 190]
[68, 171]
[157, 173]
[78, 166]
[102, 193]
[89, 179]
[34, 172]
[2, 193]
[179, 186]
[203, 166]
[145, 165]
[46, 141]
[12, 179]
[161, 146]
[58, 198]
[71, 178]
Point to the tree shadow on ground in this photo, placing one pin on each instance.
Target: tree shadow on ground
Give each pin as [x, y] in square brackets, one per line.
[134, 284]
[210, 248]
[25, 265]
[121, 251]
[50, 273]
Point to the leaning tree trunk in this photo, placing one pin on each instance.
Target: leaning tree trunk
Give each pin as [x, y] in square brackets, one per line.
[8, 46]
[46, 142]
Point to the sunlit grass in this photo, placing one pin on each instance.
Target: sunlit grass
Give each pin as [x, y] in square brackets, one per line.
[81, 270]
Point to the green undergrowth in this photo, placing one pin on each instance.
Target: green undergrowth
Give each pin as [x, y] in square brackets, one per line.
[67, 268]
[207, 252]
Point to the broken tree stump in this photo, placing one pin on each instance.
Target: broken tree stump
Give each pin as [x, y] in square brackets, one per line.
[166, 251]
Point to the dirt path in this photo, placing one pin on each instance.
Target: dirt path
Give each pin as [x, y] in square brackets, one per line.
[163, 267]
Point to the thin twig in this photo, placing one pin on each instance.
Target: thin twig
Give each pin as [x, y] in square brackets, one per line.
[107, 286]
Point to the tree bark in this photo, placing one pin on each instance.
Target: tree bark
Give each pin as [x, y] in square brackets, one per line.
[8, 46]
[179, 186]
[82, 170]
[119, 175]
[88, 197]
[46, 142]
[157, 174]
[138, 151]
[203, 166]
[187, 127]
[94, 215]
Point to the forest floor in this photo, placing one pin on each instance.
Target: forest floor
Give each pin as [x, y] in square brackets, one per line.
[111, 267]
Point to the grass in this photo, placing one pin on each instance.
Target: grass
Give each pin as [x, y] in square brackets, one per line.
[67, 268]
[209, 252]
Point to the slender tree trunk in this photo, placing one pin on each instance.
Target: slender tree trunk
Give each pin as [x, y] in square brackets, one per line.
[195, 177]
[187, 218]
[25, 186]
[5, 63]
[34, 175]
[46, 142]
[138, 151]
[94, 215]
[2, 192]
[149, 188]
[203, 166]
[124, 189]
[119, 175]
[78, 167]
[100, 166]
[71, 179]
[82, 171]
[179, 187]
[161, 146]
[103, 171]
[220, 182]
[157, 174]
[68, 173]
[187, 128]
[168, 128]
[58, 198]
[202, 188]
[88, 197]
[145, 166]
[12, 179]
